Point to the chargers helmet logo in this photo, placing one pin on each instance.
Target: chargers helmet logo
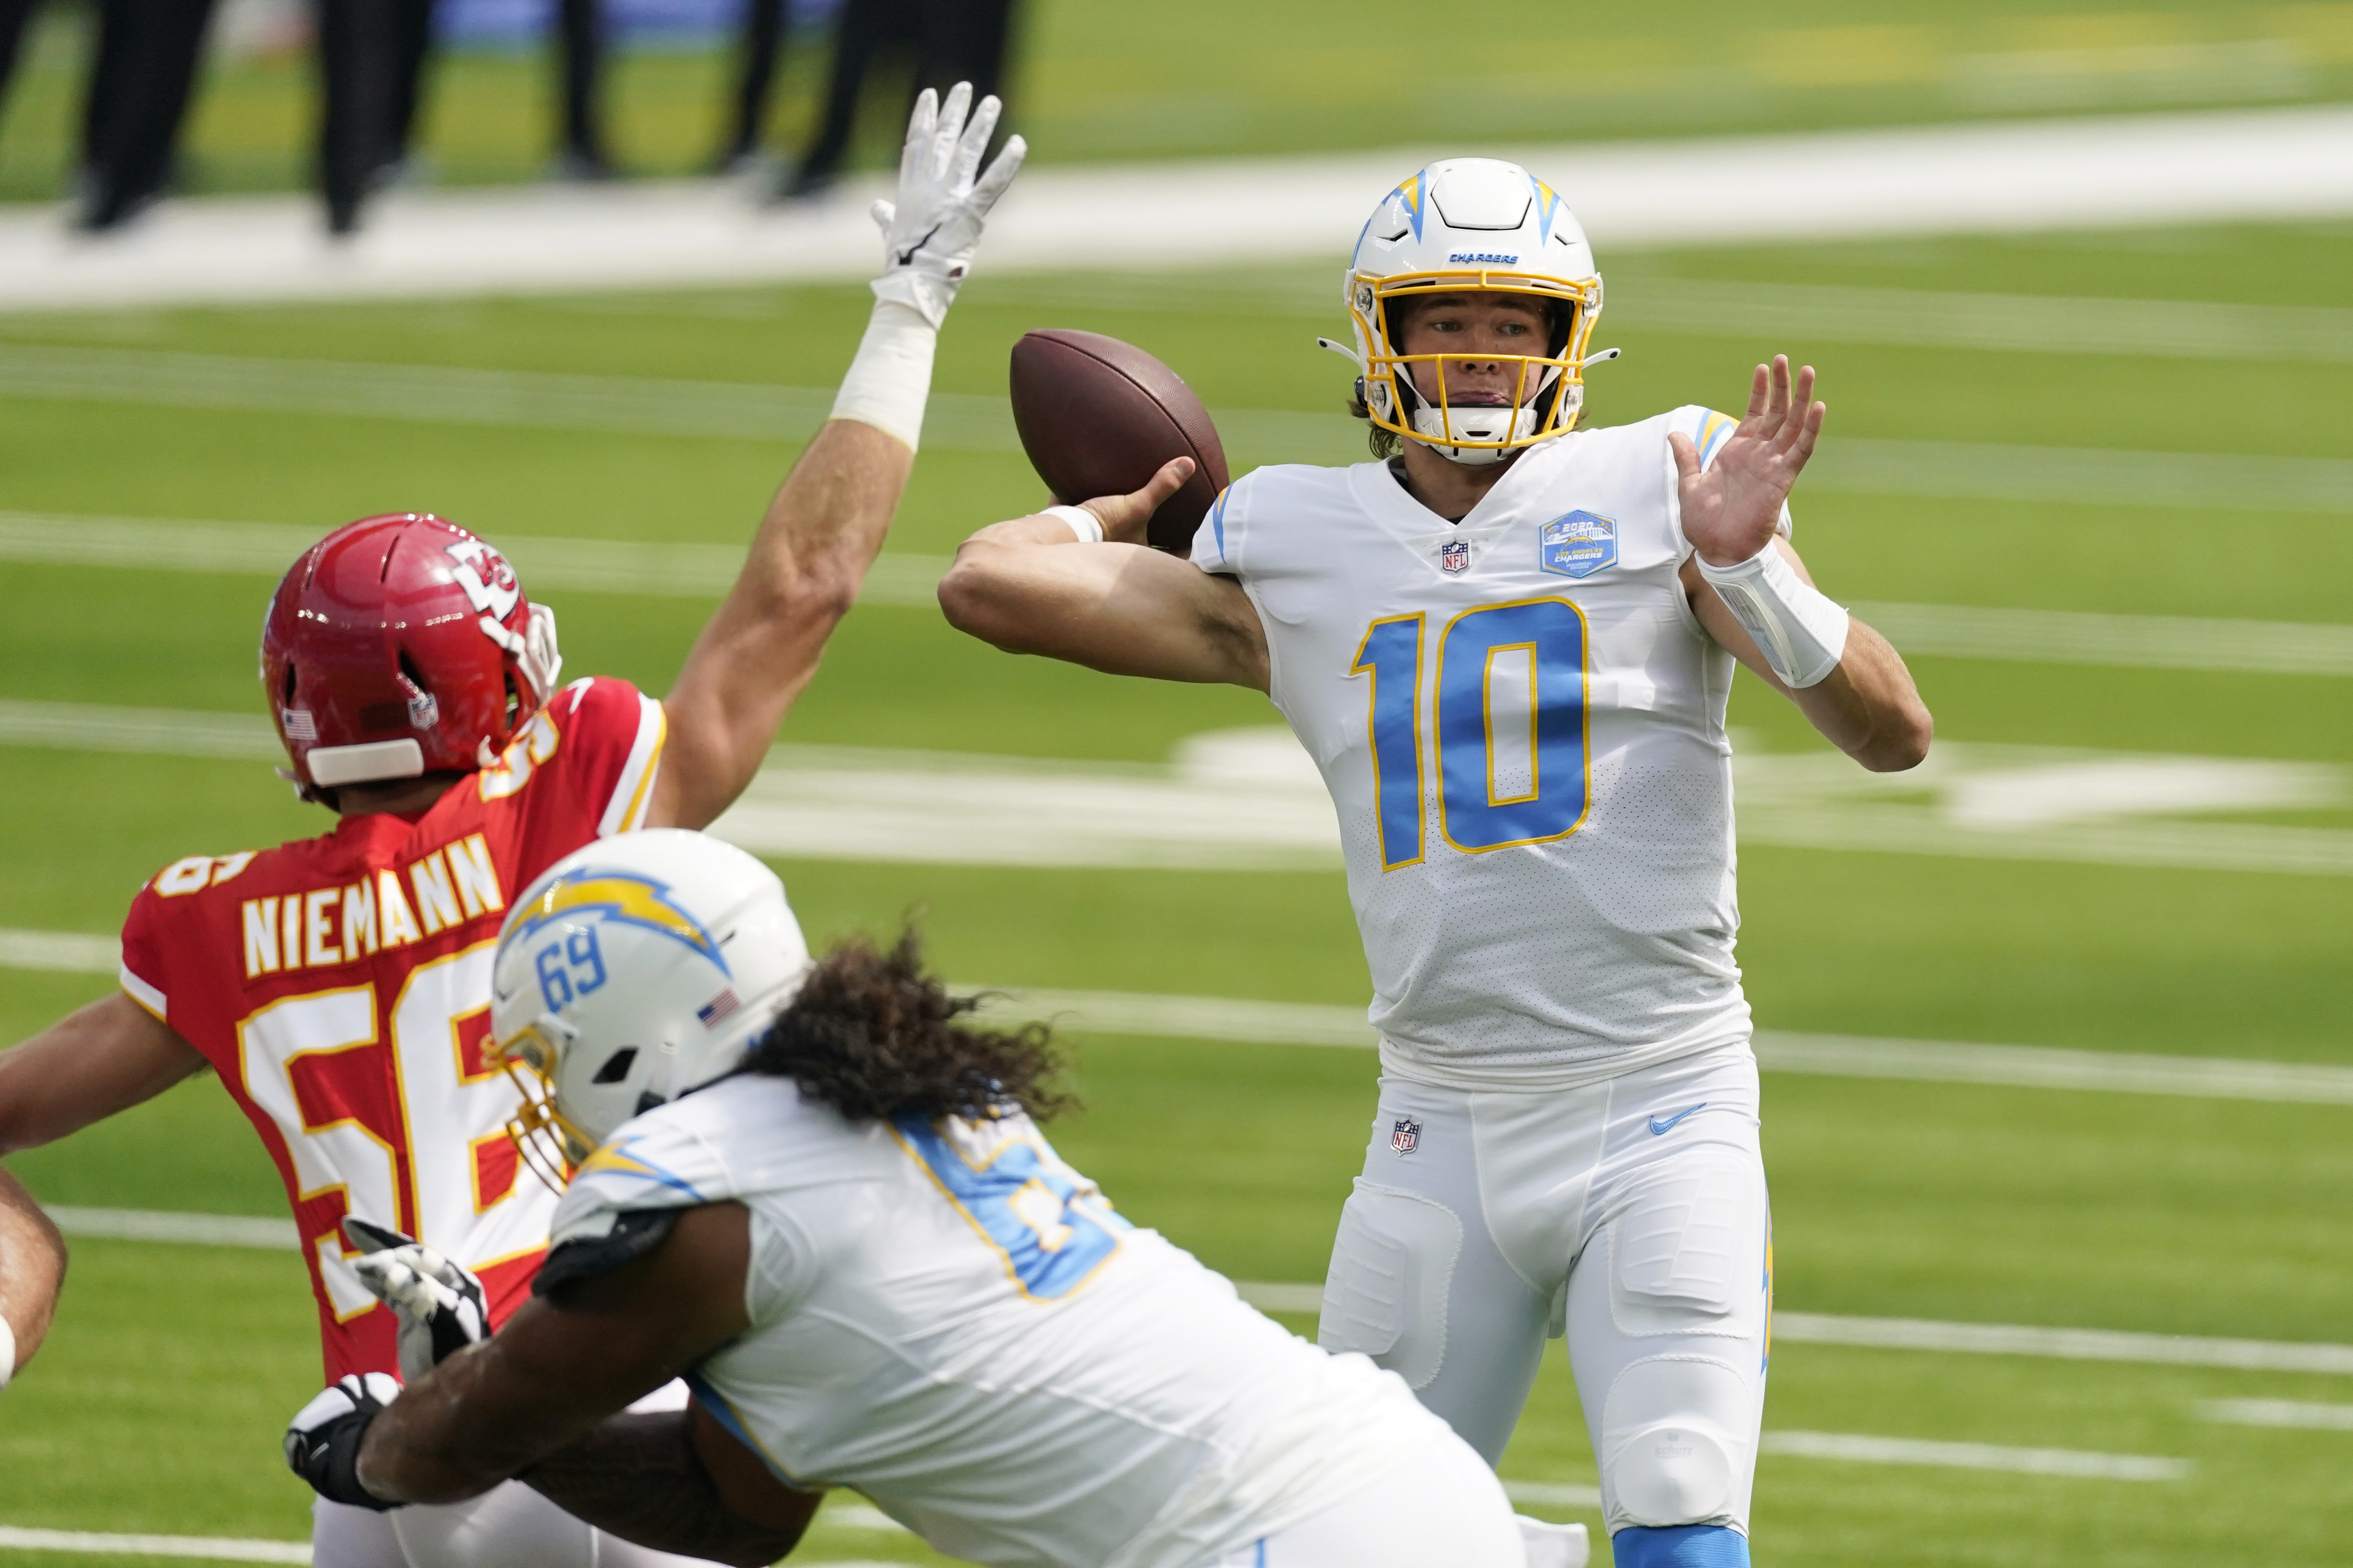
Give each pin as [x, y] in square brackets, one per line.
[617, 894]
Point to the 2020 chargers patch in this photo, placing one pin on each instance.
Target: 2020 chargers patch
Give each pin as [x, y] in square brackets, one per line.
[1577, 545]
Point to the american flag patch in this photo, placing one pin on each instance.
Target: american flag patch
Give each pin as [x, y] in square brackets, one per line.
[718, 1008]
[299, 725]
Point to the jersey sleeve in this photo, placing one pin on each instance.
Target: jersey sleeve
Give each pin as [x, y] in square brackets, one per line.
[1216, 547]
[610, 751]
[1709, 430]
[144, 975]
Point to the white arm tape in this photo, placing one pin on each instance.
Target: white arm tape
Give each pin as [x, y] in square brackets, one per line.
[7, 1352]
[890, 379]
[1800, 632]
[1084, 523]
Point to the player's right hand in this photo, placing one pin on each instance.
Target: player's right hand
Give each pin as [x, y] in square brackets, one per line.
[438, 1304]
[930, 232]
[1125, 518]
[322, 1441]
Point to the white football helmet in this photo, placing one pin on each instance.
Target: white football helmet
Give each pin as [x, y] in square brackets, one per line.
[633, 971]
[1462, 225]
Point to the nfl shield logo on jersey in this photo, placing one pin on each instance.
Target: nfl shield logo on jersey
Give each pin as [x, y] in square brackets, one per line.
[1405, 1135]
[1577, 545]
[1454, 557]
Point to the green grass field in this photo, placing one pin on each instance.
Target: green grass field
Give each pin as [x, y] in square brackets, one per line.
[1098, 81]
[157, 1406]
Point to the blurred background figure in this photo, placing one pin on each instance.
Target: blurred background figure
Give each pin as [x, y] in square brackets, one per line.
[948, 41]
[141, 82]
[13, 15]
[372, 59]
[580, 31]
[760, 43]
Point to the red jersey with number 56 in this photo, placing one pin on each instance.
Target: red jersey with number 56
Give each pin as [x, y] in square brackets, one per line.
[342, 987]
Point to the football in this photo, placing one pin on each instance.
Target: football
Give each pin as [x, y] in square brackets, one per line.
[1099, 416]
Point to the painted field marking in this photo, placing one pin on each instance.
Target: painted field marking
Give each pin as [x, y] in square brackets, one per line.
[1323, 1024]
[2203, 481]
[1642, 302]
[1973, 1339]
[2279, 1413]
[209, 1547]
[1552, 1494]
[1859, 1449]
[272, 1235]
[1250, 799]
[861, 1516]
[910, 581]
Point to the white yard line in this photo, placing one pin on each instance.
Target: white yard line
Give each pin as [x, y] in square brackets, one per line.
[1249, 800]
[2068, 173]
[1313, 1024]
[909, 581]
[1552, 1494]
[2203, 481]
[1301, 1299]
[207, 1547]
[2295, 1413]
[1643, 301]
[1859, 1449]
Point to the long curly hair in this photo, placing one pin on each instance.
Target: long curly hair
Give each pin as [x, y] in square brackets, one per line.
[875, 1035]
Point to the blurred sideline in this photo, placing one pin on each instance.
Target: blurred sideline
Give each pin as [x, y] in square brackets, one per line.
[2284, 164]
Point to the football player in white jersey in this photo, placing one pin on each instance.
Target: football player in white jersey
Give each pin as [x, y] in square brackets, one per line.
[1508, 647]
[814, 1193]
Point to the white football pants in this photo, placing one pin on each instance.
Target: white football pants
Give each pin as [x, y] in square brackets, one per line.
[1630, 1213]
[1441, 1509]
[509, 1526]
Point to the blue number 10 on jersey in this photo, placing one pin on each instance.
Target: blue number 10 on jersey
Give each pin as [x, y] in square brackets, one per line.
[1509, 726]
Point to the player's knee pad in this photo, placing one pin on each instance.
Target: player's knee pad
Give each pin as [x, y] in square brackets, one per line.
[1679, 1546]
[1392, 1265]
[1677, 1442]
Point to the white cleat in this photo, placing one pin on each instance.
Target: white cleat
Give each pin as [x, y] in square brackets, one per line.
[1554, 1545]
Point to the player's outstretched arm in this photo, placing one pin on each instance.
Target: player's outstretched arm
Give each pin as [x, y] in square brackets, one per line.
[826, 525]
[1754, 596]
[32, 1267]
[1031, 585]
[563, 1364]
[105, 1057]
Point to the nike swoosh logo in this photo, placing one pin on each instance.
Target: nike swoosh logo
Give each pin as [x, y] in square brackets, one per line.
[1661, 1128]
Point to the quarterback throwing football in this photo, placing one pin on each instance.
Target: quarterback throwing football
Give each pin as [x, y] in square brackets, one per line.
[341, 985]
[1508, 647]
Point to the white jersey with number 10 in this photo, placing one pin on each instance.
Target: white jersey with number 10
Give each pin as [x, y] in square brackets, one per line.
[1521, 722]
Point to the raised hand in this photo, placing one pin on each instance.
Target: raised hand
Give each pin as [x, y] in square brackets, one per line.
[930, 232]
[438, 1304]
[1731, 509]
[322, 1441]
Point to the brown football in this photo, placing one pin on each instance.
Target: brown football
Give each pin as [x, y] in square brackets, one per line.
[1099, 416]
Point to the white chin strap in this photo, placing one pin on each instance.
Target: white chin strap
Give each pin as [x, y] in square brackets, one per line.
[1472, 424]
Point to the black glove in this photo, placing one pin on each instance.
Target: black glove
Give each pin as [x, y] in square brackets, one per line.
[322, 1442]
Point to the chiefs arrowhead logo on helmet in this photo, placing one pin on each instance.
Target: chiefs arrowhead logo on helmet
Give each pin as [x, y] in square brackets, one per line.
[402, 645]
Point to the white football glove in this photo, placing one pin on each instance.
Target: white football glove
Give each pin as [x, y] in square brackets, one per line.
[930, 232]
[322, 1441]
[438, 1304]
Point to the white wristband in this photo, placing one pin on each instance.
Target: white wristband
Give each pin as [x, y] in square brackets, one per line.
[1800, 632]
[1084, 523]
[7, 1352]
[890, 379]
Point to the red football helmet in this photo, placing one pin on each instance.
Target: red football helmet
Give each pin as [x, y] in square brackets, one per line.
[400, 645]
